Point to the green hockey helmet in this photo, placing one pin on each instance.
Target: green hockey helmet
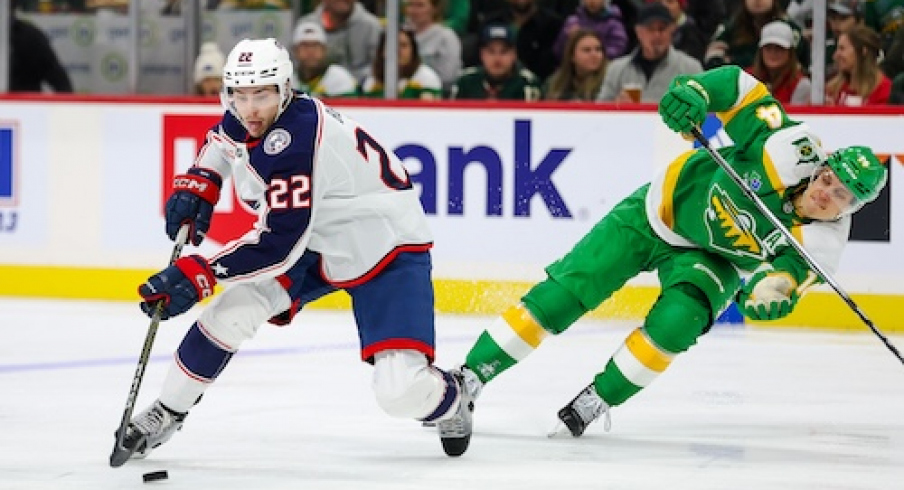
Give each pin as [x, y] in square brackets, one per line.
[860, 170]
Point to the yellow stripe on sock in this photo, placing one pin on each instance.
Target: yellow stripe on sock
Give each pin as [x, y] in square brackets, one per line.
[646, 352]
[523, 323]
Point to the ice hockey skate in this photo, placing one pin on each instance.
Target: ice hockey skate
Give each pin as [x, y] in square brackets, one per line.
[151, 428]
[455, 432]
[580, 412]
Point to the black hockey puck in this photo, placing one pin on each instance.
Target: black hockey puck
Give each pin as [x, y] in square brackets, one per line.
[155, 476]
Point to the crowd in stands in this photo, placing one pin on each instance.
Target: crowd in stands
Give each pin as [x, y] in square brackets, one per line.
[621, 51]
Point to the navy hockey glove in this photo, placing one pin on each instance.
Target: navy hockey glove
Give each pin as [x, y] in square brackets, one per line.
[194, 195]
[684, 106]
[179, 287]
[768, 296]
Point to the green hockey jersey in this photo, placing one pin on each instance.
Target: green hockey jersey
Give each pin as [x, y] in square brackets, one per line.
[694, 203]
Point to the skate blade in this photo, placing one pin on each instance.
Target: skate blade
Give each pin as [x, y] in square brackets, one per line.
[559, 430]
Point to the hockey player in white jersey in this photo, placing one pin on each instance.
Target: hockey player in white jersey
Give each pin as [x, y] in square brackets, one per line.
[336, 210]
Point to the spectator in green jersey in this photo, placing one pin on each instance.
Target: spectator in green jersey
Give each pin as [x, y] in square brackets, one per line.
[314, 73]
[500, 74]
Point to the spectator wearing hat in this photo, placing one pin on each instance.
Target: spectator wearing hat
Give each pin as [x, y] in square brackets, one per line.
[885, 17]
[352, 34]
[653, 64]
[893, 62]
[859, 80]
[438, 45]
[601, 17]
[841, 16]
[500, 75]
[688, 36]
[737, 40]
[209, 70]
[776, 65]
[416, 80]
[314, 73]
[536, 29]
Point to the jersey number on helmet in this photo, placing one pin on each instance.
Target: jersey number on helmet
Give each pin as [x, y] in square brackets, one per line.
[245, 57]
[386, 174]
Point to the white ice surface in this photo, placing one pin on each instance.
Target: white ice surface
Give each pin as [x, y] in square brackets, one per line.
[744, 409]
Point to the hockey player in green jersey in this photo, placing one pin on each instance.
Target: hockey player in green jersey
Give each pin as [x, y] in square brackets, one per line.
[695, 227]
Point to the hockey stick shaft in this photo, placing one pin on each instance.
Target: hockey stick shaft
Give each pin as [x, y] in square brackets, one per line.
[120, 454]
[823, 273]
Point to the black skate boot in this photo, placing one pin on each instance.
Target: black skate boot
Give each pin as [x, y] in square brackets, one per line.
[455, 432]
[584, 409]
[151, 428]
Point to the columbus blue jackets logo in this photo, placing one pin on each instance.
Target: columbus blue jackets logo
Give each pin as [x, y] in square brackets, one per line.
[277, 141]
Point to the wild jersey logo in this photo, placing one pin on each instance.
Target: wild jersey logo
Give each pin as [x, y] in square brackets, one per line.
[731, 229]
[277, 141]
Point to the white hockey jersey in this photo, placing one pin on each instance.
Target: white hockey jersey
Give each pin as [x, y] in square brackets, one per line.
[319, 182]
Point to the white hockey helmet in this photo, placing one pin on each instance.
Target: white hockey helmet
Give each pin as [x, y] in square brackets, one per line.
[258, 62]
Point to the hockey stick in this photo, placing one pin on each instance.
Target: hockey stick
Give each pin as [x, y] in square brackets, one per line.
[787, 234]
[120, 454]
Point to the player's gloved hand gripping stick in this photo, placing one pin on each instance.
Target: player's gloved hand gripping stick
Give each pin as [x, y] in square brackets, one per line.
[695, 131]
[120, 454]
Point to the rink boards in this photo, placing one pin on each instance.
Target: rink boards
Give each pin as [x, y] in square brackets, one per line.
[507, 188]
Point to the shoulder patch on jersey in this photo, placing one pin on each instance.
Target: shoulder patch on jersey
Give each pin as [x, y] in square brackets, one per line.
[278, 140]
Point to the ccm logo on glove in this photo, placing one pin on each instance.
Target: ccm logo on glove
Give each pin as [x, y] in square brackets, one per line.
[195, 193]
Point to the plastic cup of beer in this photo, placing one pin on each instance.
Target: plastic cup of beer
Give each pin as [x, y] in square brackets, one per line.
[634, 91]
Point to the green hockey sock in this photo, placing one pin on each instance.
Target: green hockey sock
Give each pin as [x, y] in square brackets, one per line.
[507, 341]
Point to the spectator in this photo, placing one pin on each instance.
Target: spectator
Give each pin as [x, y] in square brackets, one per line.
[416, 79]
[33, 64]
[209, 70]
[859, 80]
[885, 17]
[736, 41]
[439, 46]
[580, 75]
[841, 15]
[707, 14]
[601, 17]
[653, 64]
[688, 36]
[456, 13]
[500, 75]
[893, 62]
[896, 97]
[352, 33]
[776, 65]
[314, 74]
[536, 30]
